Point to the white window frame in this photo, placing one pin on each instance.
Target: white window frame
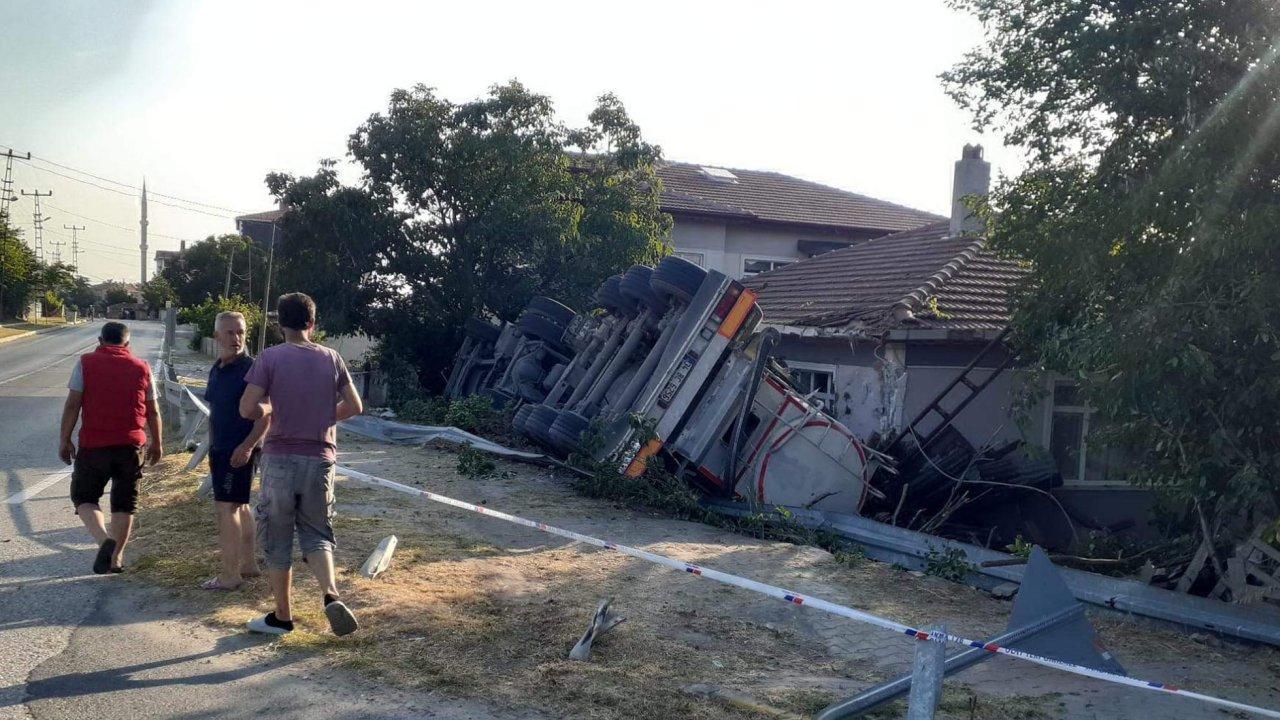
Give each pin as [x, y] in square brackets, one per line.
[697, 258]
[828, 402]
[1082, 478]
[764, 258]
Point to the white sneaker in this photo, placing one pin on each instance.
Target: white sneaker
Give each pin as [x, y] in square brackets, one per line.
[260, 625]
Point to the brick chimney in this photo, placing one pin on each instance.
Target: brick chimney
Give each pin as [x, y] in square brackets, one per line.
[973, 177]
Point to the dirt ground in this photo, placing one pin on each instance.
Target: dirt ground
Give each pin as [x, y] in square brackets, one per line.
[479, 608]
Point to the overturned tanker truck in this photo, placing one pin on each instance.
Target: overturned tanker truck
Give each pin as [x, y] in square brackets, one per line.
[672, 367]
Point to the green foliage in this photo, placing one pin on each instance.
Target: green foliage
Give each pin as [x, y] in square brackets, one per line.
[474, 414]
[200, 272]
[51, 304]
[1020, 548]
[18, 273]
[473, 463]
[203, 316]
[118, 294]
[157, 292]
[468, 208]
[949, 564]
[80, 296]
[1149, 215]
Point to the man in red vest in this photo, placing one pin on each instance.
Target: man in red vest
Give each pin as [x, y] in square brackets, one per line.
[111, 393]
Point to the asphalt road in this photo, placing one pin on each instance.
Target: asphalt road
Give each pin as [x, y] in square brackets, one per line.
[77, 645]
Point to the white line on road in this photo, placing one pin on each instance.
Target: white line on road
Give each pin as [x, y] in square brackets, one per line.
[34, 490]
[59, 361]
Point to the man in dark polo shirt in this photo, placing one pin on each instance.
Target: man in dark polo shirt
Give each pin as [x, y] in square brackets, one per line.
[233, 454]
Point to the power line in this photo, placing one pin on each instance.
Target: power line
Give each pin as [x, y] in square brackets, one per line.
[38, 234]
[75, 242]
[47, 161]
[126, 193]
[6, 186]
[119, 227]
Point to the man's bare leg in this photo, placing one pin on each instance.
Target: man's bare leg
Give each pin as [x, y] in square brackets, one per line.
[248, 531]
[121, 527]
[229, 532]
[91, 515]
[281, 582]
[321, 564]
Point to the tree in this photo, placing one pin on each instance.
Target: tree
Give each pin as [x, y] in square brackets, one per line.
[118, 294]
[468, 208]
[1150, 215]
[157, 292]
[58, 278]
[18, 273]
[81, 295]
[200, 273]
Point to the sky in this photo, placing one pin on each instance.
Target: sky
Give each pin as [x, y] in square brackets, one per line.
[203, 99]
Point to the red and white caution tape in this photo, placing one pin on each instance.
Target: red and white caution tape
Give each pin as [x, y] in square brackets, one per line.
[808, 601]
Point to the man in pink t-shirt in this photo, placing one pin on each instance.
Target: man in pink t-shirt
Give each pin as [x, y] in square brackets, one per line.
[306, 390]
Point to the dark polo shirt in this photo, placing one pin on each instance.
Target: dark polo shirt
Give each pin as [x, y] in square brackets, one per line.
[226, 385]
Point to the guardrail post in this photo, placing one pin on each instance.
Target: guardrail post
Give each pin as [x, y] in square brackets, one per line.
[926, 675]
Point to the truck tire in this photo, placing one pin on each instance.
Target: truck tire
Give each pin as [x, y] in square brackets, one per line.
[481, 330]
[556, 312]
[610, 297]
[566, 431]
[676, 277]
[635, 285]
[538, 422]
[517, 420]
[534, 325]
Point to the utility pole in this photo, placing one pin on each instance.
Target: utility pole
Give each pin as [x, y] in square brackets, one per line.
[266, 291]
[226, 287]
[37, 237]
[57, 250]
[75, 243]
[6, 186]
[142, 224]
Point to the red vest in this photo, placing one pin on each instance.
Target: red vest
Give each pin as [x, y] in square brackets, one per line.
[114, 409]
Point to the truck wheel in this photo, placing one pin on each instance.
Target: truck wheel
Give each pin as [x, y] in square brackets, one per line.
[610, 297]
[635, 285]
[481, 330]
[556, 312]
[678, 278]
[566, 431]
[517, 420]
[536, 326]
[538, 424]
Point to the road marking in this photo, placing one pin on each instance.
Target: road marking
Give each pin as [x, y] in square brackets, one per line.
[34, 490]
[59, 361]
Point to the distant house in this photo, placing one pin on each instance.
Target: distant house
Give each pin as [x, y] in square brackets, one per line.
[165, 258]
[878, 329]
[744, 222]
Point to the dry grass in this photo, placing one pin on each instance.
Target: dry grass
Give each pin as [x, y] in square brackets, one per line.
[473, 613]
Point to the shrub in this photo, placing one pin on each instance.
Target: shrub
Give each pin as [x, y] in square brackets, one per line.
[202, 318]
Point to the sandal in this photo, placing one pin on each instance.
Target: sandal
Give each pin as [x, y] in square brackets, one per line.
[216, 584]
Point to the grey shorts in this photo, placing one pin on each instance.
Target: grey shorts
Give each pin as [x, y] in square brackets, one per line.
[297, 493]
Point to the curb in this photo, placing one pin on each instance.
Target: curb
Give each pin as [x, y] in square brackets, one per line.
[31, 333]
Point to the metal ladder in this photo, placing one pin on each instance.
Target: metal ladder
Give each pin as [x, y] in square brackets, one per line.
[966, 378]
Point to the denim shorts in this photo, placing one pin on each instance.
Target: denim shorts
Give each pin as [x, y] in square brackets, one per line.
[297, 494]
[231, 484]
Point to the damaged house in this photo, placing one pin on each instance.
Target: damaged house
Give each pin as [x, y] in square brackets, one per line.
[882, 332]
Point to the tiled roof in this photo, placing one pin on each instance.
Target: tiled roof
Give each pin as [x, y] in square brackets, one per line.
[266, 217]
[781, 198]
[946, 282]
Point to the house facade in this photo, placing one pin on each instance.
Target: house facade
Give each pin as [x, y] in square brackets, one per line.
[878, 330]
[745, 222]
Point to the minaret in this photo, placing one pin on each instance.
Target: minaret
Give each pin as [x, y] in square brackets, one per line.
[143, 225]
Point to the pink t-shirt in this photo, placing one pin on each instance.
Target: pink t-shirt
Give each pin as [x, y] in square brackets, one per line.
[302, 383]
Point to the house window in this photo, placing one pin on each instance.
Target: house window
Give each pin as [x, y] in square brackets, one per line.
[755, 266]
[1068, 432]
[694, 257]
[816, 381]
